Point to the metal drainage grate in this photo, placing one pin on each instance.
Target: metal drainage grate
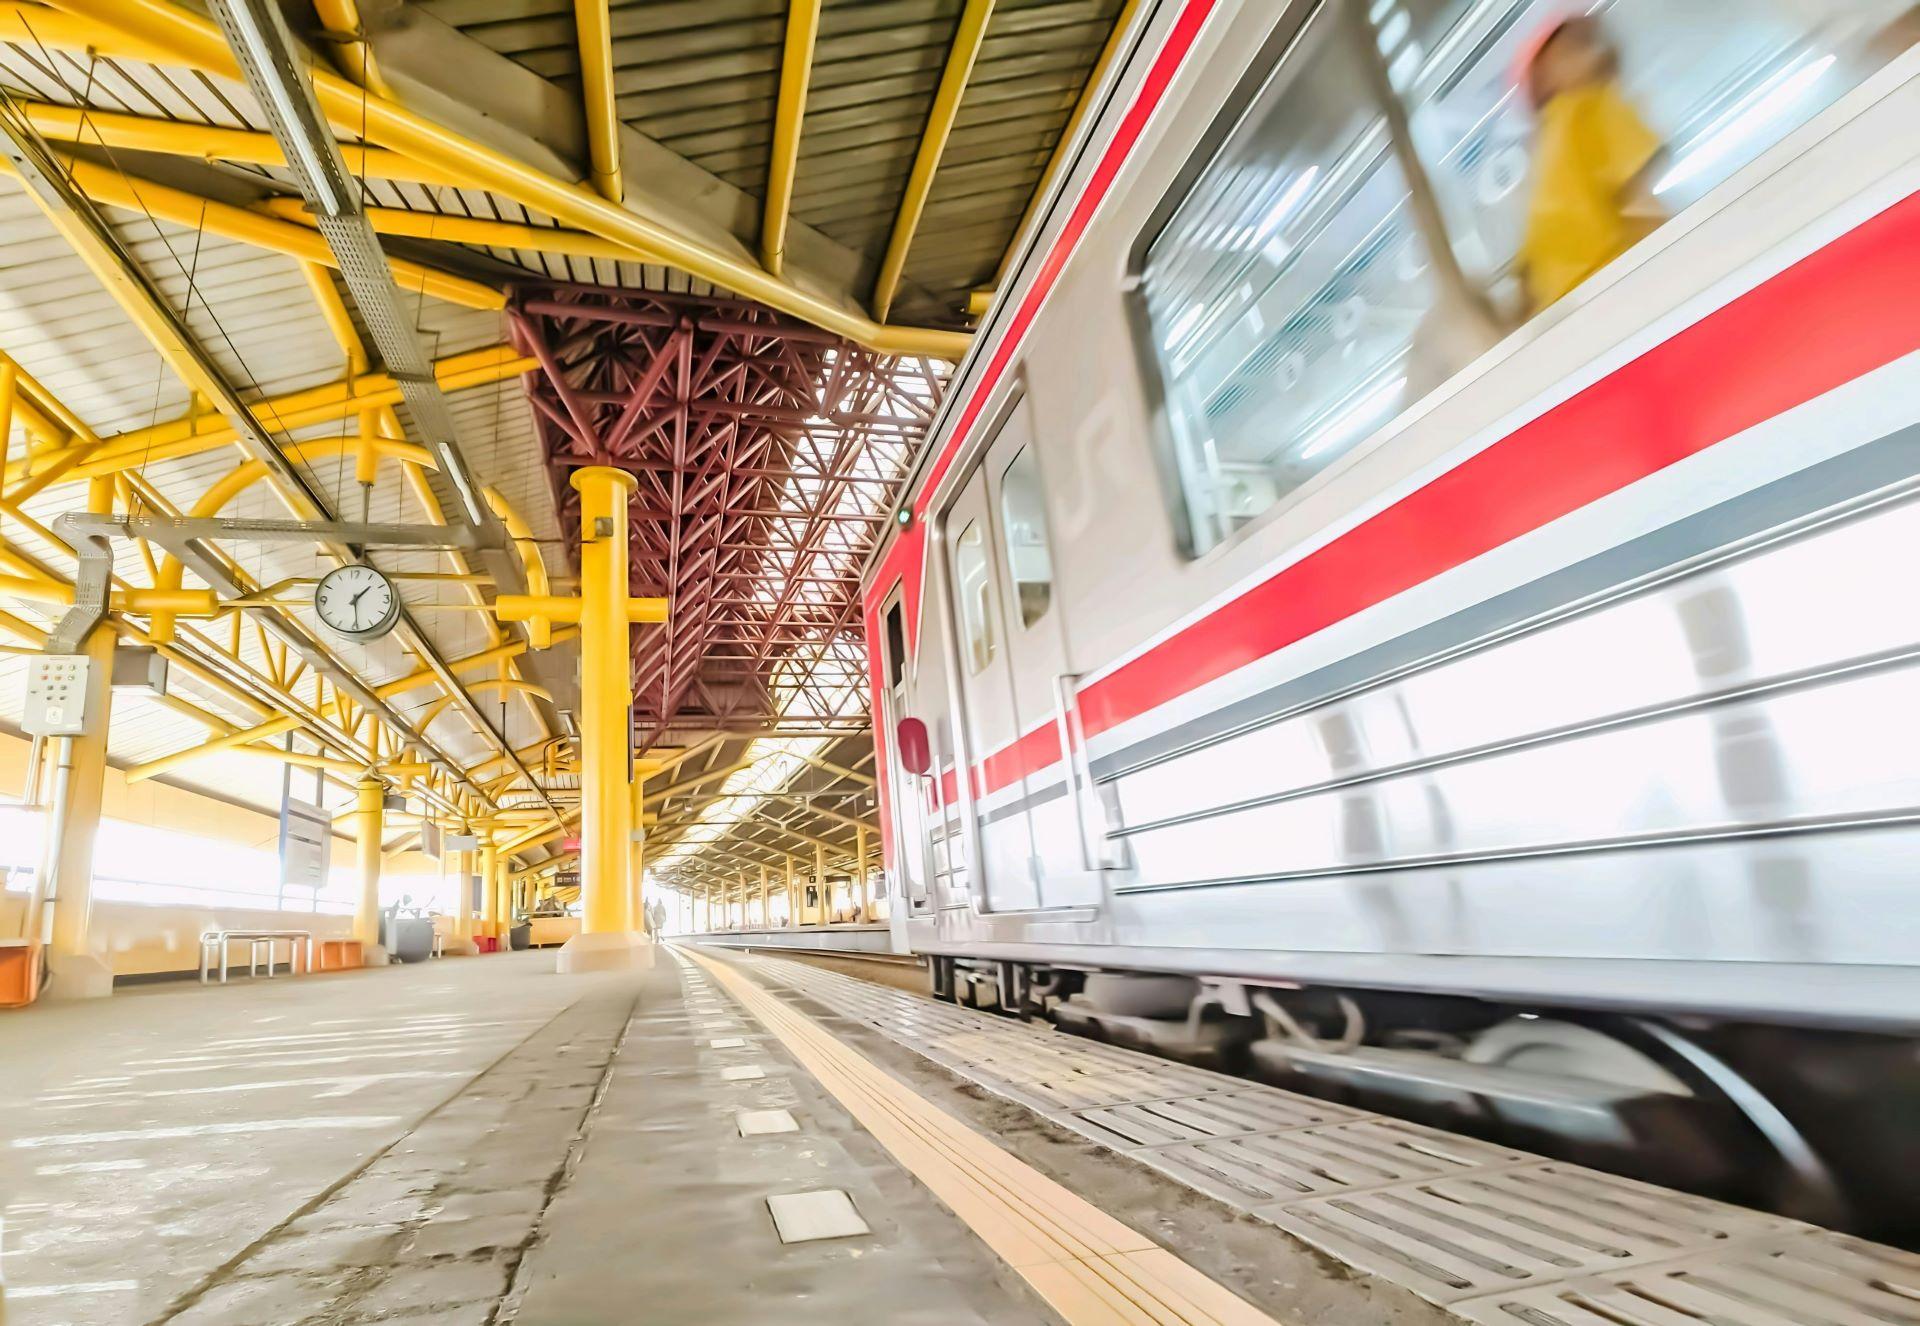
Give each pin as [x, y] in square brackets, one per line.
[1197, 1118]
[1806, 1278]
[1456, 1238]
[1496, 1236]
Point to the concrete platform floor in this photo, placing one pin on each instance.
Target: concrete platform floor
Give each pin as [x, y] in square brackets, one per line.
[479, 1140]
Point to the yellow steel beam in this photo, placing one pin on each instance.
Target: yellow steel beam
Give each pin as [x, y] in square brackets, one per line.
[756, 823]
[967, 36]
[351, 52]
[811, 809]
[470, 230]
[539, 629]
[327, 404]
[594, 28]
[248, 473]
[134, 299]
[1122, 23]
[838, 770]
[796, 72]
[244, 226]
[339, 322]
[274, 727]
[34, 25]
[209, 142]
[140, 28]
[698, 779]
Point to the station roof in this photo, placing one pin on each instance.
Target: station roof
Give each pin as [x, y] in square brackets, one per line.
[794, 208]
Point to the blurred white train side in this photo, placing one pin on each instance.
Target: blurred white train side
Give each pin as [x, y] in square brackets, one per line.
[1541, 751]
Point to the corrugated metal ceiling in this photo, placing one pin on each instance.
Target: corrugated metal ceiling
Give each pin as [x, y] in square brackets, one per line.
[702, 78]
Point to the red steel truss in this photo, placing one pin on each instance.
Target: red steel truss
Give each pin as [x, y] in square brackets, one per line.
[768, 454]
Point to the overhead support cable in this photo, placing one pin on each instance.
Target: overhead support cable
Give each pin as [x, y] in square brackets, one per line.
[159, 31]
[210, 142]
[257, 33]
[967, 37]
[796, 74]
[73, 216]
[309, 407]
[593, 26]
[244, 226]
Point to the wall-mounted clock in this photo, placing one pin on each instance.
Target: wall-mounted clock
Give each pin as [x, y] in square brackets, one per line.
[357, 602]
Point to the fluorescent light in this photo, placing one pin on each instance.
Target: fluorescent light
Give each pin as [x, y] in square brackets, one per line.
[1283, 206]
[1753, 112]
[456, 473]
[1356, 419]
[261, 50]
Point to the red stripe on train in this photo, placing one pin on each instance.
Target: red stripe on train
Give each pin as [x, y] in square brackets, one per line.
[1838, 313]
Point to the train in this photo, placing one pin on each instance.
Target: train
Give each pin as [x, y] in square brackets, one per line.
[1287, 656]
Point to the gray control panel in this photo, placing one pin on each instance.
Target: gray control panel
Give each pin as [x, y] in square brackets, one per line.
[57, 693]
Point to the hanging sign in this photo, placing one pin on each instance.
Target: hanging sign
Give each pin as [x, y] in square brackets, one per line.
[306, 844]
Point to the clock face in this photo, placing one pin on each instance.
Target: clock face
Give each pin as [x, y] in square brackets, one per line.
[357, 602]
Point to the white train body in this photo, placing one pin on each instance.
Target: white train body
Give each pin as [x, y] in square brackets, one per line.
[1591, 677]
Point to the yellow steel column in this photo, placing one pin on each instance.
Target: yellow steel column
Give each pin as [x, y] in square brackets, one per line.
[766, 903]
[860, 871]
[606, 727]
[462, 938]
[793, 895]
[369, 822]
[489, 901]
[79, 766]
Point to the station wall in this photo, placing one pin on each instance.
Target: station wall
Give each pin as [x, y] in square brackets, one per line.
[140, 939]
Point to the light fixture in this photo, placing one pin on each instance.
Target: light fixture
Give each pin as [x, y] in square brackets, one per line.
[247, 22]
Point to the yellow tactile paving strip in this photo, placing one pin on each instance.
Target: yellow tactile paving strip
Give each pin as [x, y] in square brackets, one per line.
[1090, 1268]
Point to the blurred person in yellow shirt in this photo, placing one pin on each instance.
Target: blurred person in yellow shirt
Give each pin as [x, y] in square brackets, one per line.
[1593, 159]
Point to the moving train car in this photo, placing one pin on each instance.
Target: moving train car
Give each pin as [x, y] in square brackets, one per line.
[1289, 653]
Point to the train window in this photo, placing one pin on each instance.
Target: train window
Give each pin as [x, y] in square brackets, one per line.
[1715, 87]
[1305, 290]
[896, 645]
[974, 588]
[1023, 518]
[1283, 292]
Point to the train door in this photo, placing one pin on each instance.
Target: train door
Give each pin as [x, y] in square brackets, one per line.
[1009, 874]
[910, 793]
[1036, 660]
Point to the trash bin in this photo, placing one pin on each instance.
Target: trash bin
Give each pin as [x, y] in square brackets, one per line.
[521, 936]
[409, 938]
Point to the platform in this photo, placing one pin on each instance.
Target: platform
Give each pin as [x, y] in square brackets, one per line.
[483, 1141]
